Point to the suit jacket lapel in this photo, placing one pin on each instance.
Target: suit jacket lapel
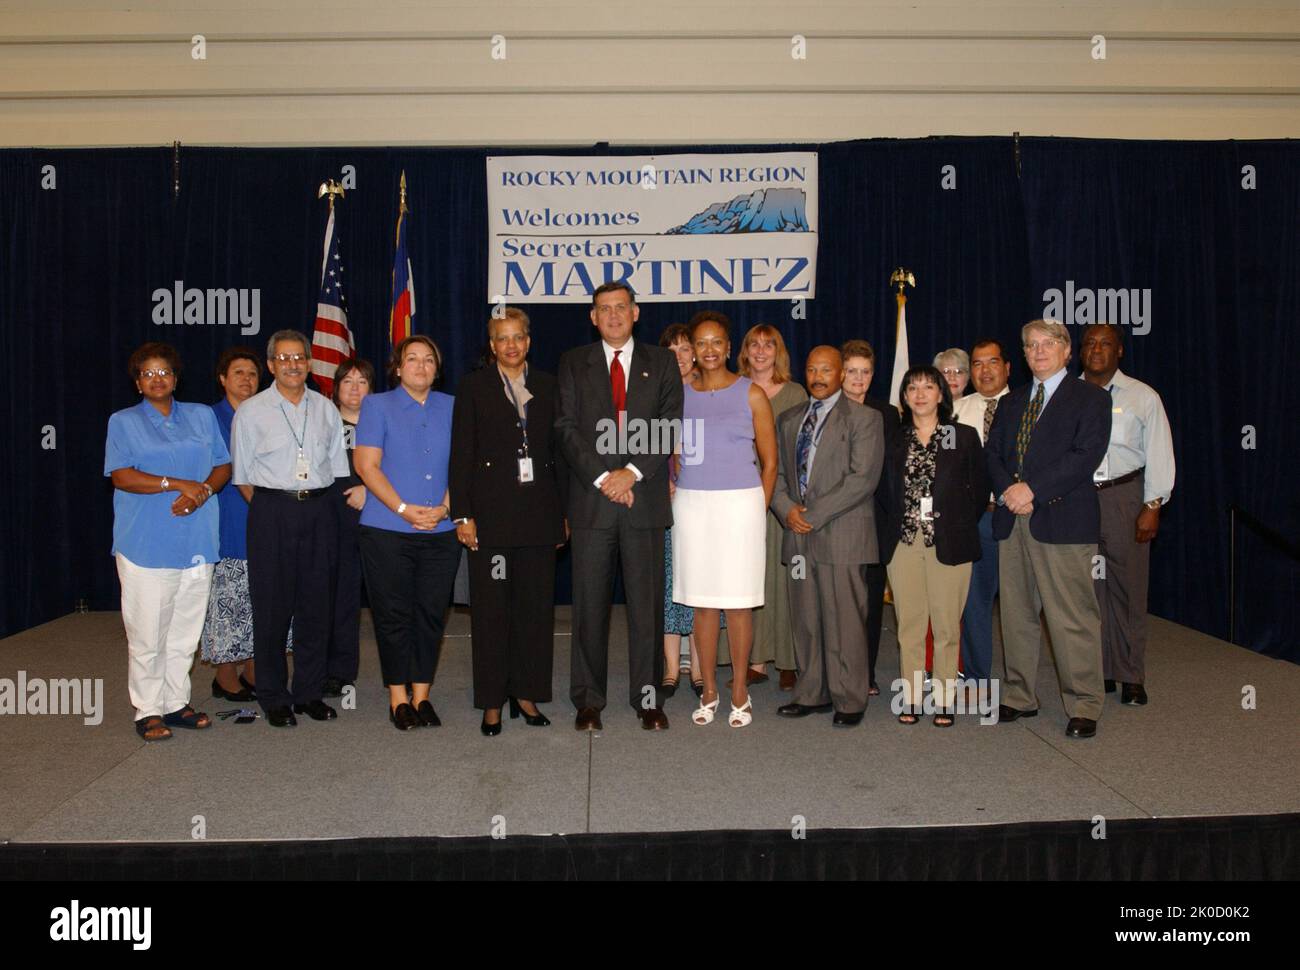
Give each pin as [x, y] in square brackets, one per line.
[637, 384]
[598, 376]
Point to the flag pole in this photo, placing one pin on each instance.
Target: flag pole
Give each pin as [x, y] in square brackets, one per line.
[902, 278]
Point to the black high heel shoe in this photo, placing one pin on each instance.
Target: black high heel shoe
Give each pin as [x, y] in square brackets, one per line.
[490, 730]
[239, 697]
[532, 720]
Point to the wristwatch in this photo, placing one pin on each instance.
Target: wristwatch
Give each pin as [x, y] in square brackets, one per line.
[401, 507]
[164, 485]
[1155, 503]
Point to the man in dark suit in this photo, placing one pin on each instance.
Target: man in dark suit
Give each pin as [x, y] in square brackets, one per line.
[620, 408]
[830, 456]
[1046, 440]
[859, 368]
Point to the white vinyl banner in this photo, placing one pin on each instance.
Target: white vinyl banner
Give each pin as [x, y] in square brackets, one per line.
[676, 227]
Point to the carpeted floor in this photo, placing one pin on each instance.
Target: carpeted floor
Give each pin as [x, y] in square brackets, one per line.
[1192, 751]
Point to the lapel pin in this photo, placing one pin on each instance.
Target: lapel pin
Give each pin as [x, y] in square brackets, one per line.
[645, 373]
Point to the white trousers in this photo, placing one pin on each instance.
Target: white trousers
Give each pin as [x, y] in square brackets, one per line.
[163, 611]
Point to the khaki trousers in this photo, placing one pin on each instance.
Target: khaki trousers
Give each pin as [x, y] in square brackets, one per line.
[1056, 581]
[926, 589]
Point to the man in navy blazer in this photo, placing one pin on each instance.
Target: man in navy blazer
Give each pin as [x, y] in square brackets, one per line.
[1046, 441]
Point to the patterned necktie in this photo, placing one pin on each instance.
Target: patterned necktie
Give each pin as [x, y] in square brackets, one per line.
[803, 446]
[990, 406]
[1027, 428]
[618, 387]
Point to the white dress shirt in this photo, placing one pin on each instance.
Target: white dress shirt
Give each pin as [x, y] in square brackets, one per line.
[1139, 437]
[624, 361]
[969, 411]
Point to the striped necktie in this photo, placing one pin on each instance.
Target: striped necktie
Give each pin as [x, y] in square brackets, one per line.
[1027, 428]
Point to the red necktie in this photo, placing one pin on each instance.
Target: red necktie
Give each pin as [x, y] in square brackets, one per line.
[618, 386]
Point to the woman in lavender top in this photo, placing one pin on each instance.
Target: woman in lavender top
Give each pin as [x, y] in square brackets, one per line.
[727, 470]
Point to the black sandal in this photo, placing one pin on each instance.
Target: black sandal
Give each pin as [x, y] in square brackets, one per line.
[147, 725]
[188, 717]
[943, 719]
[909, 716]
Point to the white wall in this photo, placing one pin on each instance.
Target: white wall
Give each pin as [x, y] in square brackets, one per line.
[359, 72]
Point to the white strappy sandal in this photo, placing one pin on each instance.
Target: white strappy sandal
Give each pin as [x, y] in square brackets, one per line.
[704, 713]
[743, 715]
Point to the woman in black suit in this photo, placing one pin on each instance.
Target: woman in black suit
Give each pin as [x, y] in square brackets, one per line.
[937, 488]
[506, 489]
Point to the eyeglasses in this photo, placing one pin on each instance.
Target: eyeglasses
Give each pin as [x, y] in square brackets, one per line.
[149, 375]
[290, 358]
[952, 371]
[1038, 345]
[858, 372]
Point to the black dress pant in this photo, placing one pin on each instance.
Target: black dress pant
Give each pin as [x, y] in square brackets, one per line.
[292, 572]
[876, 577]
[512, 622]
[345, 637]
[409, 577]
[597, 555]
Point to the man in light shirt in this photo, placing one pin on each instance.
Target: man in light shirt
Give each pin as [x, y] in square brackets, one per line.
[990, 371]
[1133, 482]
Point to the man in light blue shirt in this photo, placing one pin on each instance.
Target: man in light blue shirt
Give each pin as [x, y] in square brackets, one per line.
[287, 445]
[1134, 481]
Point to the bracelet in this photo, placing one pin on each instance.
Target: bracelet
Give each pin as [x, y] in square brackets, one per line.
[401, 507]
[207, 488]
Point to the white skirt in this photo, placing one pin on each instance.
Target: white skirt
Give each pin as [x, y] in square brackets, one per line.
[719, 547]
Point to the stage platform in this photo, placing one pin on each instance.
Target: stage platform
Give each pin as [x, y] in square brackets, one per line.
[1193, 760]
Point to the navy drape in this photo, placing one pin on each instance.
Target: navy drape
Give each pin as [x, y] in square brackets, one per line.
[79, 263]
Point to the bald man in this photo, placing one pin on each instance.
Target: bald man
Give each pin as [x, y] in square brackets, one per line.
[830, 456]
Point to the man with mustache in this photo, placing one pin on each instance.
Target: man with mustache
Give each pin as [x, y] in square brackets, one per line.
[287, 445]
[830, 454]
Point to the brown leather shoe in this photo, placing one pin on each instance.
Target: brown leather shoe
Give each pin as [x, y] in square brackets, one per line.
[653, 720]
[588, 719]
[788, 677]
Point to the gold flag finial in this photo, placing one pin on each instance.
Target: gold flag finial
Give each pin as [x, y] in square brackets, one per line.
[403, 188]
[902, 277]
[331, 188]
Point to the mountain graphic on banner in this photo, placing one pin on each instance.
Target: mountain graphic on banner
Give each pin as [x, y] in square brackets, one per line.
[763, 210]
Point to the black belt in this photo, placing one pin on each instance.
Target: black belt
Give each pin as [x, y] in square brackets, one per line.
[1112, 482]
[298, 495]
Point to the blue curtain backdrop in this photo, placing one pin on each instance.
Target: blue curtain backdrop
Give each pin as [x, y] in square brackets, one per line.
[79, 263]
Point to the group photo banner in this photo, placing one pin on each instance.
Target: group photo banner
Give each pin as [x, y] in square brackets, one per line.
[676, 227]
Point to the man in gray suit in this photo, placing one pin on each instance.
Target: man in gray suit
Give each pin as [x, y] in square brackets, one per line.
[830, 457]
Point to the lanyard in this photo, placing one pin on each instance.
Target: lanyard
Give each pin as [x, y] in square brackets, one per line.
[299, 439]
[523, 419]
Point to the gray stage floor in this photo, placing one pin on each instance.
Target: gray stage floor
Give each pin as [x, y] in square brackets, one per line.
[1192, 751]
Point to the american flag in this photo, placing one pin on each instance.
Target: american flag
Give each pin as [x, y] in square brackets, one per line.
[332, 342]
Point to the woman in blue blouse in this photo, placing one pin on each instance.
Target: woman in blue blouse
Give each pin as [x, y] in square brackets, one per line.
[409, 549]
[165, 545]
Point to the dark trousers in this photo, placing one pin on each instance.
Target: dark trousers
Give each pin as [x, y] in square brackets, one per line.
[409, 577]
[977, 618]
[876, 577]
[597, 554]
[292, 572]
[1122, 587]
[344, 657]
[512, 623]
